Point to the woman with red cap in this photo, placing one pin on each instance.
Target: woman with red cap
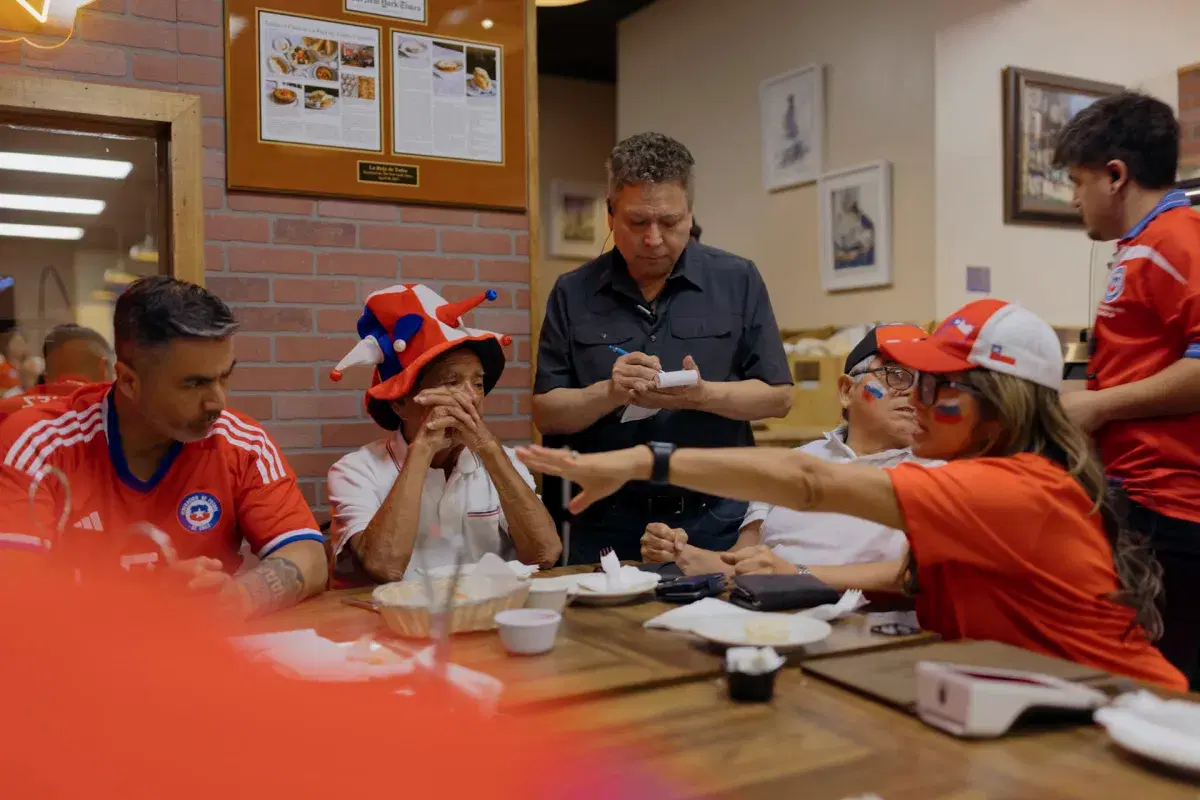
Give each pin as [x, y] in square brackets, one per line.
[1013, 540]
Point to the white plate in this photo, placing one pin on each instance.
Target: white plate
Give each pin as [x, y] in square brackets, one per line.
[730, 631]
[1169, 740]
[584, 596]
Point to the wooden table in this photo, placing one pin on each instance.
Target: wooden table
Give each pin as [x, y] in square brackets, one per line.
[600, 650]
[661, 697]
[815, 740]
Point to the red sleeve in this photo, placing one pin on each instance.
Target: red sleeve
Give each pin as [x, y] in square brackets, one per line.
[25, 525]
[271, 511]
[979, 511]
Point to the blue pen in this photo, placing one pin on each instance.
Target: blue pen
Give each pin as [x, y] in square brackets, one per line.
[618, 350]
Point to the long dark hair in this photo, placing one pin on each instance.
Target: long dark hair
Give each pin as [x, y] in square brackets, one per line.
[1032, 420]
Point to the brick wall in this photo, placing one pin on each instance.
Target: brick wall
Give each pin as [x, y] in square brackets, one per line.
[297, 270]
[1189, 119]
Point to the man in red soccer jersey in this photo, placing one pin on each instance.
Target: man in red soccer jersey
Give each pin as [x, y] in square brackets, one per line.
[158, 447]
[1143, 398]
[75, 356]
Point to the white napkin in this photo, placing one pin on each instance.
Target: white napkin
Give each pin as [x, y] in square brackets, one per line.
[629, 579]
[316, 658]
[846, 605]
[1175, 723]
[612, 570]
[665, 380]
[684, 617]
[753, 660]
[447, 570]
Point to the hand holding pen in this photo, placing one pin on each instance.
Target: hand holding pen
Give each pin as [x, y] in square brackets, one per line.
[632, 373]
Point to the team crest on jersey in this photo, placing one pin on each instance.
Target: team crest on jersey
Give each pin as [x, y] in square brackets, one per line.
[1116, 284]
[199, 512]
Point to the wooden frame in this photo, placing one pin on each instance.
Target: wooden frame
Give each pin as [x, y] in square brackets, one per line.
[1017, 206]
[273, 144]
[873, 222]
[537, 300]
[144, 112]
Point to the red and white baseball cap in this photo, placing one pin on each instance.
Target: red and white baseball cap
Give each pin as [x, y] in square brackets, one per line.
[987, 334]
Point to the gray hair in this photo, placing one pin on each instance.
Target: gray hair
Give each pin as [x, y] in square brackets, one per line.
[650, 158]
[860, 369]
[156, 310]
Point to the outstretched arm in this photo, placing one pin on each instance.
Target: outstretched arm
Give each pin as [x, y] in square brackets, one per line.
[780, 477]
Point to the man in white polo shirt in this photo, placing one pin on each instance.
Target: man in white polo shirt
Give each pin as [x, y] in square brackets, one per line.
[442, 481]
[878, 432]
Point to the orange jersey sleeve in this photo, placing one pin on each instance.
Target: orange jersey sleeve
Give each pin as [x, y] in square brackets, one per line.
[271, 511]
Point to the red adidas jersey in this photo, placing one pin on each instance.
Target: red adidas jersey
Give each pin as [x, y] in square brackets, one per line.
[1149, 319]
[43, 393]
[207, 495]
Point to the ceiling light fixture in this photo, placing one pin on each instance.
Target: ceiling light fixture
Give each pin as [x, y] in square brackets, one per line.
[65, 165]
[40, 231]
[555, 3]
[55, 205]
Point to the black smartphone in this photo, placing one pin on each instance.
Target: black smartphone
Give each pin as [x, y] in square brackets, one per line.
[691, 588]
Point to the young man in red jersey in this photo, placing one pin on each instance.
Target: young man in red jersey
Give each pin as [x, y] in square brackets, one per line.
[157, 447]
[1143, 398]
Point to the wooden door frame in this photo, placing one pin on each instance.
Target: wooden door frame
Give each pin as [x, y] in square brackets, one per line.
[537, 303]
[78, 106]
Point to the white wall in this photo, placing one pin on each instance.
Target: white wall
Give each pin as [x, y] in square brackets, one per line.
[1137, 44]
[577, 128]
[691, 69]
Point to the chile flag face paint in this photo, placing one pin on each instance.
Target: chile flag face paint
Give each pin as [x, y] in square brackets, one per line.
[947, 411]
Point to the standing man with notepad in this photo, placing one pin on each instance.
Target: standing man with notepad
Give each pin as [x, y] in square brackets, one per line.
[668, 304]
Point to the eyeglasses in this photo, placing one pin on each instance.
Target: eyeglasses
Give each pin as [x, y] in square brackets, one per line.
[929, 388]
[898, 379]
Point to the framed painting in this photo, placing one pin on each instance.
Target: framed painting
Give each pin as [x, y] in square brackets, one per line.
[1037, 107]
[578, 220]
[856, 227]
[792, 118]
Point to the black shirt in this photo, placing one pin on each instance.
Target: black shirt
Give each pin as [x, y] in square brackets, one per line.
[714, 308]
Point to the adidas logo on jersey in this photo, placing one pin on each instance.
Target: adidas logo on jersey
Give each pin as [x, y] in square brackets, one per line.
[90, 523]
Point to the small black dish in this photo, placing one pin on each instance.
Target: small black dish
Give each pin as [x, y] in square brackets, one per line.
[747, 688]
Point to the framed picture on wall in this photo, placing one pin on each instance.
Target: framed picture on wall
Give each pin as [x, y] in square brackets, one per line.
[1037, 106]
[856, 227]
[578, 222]
[792, 116]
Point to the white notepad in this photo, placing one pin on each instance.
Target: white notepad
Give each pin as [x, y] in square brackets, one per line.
[665, 380]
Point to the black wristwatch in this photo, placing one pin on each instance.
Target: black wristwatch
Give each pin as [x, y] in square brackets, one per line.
[662, 461]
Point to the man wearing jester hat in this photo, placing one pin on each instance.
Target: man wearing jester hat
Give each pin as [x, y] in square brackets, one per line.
[441, 476]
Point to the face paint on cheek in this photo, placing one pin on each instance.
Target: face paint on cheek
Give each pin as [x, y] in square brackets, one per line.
[872, 391]
[948, 411]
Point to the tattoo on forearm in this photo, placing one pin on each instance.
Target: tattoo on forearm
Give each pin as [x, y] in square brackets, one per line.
[274, 584]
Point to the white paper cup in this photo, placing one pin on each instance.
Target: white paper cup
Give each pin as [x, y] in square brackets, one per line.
[547, 593]
[528, 631]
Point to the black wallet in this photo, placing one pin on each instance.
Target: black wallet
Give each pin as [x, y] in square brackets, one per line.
[781, 592]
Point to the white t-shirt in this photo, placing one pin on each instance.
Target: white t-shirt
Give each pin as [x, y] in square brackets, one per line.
[462, 511]
[821, 539]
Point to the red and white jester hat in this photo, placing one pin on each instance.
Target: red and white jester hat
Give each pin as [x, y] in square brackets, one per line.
[405, 327]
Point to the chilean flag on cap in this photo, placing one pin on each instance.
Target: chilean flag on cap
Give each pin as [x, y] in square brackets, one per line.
[405, 327]
[989, 334]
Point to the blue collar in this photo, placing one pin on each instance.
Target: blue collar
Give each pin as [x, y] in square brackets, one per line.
[116, 453]
[1172, 199]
